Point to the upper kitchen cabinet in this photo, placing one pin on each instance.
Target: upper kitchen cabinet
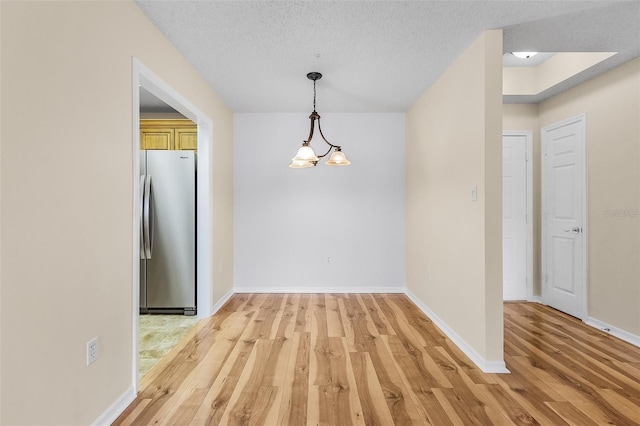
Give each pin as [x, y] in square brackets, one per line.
[168, 134]
[186, 138]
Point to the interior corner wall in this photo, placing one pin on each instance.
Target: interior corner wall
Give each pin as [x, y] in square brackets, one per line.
[525, 117]
[323, 228]
[454, 244]
[611, 102]
[67, 200]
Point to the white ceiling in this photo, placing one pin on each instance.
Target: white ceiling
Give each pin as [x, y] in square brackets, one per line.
[376, 56]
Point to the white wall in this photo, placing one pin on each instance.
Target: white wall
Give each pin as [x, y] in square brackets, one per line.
[288, 221]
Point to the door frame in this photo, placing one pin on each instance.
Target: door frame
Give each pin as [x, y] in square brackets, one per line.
[528, 134]
[544, 138]
[143, 76]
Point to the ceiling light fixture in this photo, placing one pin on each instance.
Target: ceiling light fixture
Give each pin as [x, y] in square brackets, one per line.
[305, 157]
[524, 55]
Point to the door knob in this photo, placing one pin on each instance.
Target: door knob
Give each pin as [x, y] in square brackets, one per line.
[575, 230]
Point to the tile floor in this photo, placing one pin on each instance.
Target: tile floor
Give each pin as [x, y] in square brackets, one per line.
[158, 334]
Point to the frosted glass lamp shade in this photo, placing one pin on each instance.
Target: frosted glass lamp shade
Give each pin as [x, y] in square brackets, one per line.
[300, 164]
[338, 159]
[305, 153]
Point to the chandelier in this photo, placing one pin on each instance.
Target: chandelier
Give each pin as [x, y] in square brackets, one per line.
[305, 157]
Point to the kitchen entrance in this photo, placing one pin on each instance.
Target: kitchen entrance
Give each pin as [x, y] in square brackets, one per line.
[168, 125]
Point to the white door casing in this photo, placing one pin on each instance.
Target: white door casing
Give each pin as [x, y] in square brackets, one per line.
[516, 215]
[143, 76]
[564, 221]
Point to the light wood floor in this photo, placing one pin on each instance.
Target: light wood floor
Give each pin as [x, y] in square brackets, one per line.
[342, 359]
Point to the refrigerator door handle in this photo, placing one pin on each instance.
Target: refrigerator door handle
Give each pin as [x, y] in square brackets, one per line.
[148, 218]
[142, 240]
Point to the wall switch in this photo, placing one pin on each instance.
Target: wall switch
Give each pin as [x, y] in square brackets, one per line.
[92, 351]
[474, 193]
[429, 276]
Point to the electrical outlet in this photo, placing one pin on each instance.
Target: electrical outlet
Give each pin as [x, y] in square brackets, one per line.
[92, 351]
[328, 259]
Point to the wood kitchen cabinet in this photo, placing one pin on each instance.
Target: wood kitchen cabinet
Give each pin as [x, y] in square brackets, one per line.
[186, 138]
[168, 134]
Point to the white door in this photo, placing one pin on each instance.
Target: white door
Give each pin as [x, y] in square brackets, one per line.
[514, 216]
[564, 216]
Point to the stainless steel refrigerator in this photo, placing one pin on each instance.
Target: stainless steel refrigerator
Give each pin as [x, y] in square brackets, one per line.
[168, 232]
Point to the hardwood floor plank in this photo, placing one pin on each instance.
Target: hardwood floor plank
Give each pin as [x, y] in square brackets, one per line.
[303, 309]
[347, 325]
[217, 399]
[582, 380]
[465, 364]
[538, 378]
[465, 397]
[337, 400]
[531, 399]
[617, 378]
[364, 314]
[277, 320]
[622, 405]
[287, 383]
[319, 327]
[253, 301]
[361, 359]
[594, 413]
[548, 320]
[300, 391]
[132, 413]
[402, 406]
[186, 407]
[415, 384]
[207, 372]
[377, 315]
[357, 317]
[334, 319]
[508, 405]
[372, 400]
[571, 414]
[249, 387]
[453, 406]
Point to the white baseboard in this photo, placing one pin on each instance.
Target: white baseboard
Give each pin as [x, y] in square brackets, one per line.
[536, 299]
[614, 331]
[241, 289]
[483, 364]
[116, 408]
[220, 303]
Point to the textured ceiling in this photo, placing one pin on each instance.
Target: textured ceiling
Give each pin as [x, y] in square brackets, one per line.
[376, 56]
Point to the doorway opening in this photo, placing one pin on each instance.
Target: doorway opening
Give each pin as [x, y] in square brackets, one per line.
[517, 214]
[150, 83]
